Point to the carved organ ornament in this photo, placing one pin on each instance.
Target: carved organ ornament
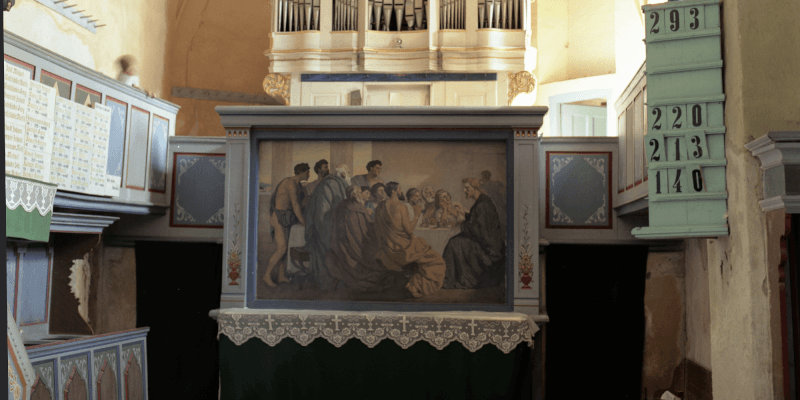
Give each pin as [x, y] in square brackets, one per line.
[520, 82]
[277, 86]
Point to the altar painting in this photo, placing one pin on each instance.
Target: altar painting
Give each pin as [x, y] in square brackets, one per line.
[382, 221]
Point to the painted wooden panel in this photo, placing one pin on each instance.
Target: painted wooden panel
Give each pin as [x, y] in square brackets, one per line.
[86, 96]
[11, 280]
[20, 371]
[107, 388]
[198, 195]
[73, 375]
[105, 369]
[63, 86]
[578, 190]
[135, 380]
[100, 364]
[75, 387]
[16, 380]
[686, 145]
[116, 141]
[41, 392]
[638, 139]
[137, 160]
[46, 372]
[157, 172]
[34, 285]
[623, 146]
[80, 84]
[134, 385]
[27, 67]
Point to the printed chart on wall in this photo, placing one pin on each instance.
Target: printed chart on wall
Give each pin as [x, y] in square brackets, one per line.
[51, 139]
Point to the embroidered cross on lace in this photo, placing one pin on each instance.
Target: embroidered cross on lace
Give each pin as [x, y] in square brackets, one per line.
[472, 329]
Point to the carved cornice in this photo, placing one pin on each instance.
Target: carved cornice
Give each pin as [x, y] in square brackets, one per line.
[241, 133]
[526, 132]
[520, 82]
[277, 86]
[776, 148]
[779, 153]
[83, 223]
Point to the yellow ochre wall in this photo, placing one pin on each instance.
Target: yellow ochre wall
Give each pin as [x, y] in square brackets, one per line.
[132, 27]
[218, 46]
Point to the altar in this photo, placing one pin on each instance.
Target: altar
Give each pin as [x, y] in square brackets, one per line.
[304, 354]
[313, 332]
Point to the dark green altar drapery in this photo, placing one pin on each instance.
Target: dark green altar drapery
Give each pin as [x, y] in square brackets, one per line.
[320, 370]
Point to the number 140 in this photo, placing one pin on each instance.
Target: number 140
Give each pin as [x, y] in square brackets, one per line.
[675, 181]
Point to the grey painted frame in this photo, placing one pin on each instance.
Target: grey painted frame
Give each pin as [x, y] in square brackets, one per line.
[246, 125]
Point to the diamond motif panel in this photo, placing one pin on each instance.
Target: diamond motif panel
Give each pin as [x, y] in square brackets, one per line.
[578, 190]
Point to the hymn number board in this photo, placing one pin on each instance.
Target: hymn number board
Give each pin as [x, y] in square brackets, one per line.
[683, 146]
[685, 125]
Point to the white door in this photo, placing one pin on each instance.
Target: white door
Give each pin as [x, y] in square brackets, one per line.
[583, 120]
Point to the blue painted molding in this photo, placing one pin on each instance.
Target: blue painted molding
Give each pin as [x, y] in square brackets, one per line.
[436, 77]
[91, 342]
[67, 222]
[94, 203]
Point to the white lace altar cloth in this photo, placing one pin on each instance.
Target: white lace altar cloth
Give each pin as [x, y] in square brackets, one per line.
[30, 195]
[473, 329]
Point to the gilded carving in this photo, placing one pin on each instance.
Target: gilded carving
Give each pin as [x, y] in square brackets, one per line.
[520, 82]
[14, 386]
[277, 86]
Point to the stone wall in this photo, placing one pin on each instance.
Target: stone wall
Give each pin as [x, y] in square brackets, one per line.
[665, 324]
[761, 96]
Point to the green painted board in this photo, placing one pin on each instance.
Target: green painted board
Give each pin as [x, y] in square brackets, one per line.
[685, 140]
[38, 198]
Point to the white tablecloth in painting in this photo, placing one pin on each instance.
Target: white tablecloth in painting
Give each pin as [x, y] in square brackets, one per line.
[437, 238]
[297, 238]
[473, 329]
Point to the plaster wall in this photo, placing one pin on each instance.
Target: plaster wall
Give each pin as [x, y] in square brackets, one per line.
[629, 48]
[743, 285]
[603, 50]
[665, 325]
[591, 39]
[575, 39]
[132, 27]
[698, 312]
[214, 45]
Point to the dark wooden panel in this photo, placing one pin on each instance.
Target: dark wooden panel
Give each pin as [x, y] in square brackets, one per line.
[64, 306]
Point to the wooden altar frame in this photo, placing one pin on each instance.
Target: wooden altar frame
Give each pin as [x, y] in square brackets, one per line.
[246, 125]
